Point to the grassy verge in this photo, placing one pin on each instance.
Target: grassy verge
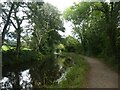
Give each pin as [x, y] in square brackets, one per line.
[111, 63]
[76, 77]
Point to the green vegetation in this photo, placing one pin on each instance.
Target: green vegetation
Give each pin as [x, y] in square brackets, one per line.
[95, 24]
[112, 63]
[32, 41]
[72, 44]
[5, 48]
[77, 76]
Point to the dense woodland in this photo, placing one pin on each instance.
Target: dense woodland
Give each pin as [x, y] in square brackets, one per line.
[31, 39]
[96, 25]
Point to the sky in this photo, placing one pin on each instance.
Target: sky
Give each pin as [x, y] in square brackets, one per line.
[62, 5]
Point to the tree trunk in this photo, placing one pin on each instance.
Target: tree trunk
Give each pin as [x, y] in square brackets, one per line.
[7, 23]
[111, 29]
[18, 42]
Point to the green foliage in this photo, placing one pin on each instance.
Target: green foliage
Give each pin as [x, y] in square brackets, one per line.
[46, 24]
[60, 48]
[95, 25]
[10, 57]
[92, 28]
[5, 48]
[45, 72]
[71, 44]
[77, 12]
[76, 76]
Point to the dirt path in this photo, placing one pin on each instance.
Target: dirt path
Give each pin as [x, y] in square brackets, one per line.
[100, 76]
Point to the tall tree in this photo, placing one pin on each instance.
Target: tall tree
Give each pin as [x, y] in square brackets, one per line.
[110, 11]
[97, 19]
[7, 20]
[15, 19]
[46, 22]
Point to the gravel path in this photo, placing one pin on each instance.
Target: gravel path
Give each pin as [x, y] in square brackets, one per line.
[100, 76]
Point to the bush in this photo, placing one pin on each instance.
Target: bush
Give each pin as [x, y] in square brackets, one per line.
[9, 57]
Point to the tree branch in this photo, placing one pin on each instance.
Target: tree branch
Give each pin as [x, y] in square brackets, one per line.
[13, 24]
[7, 22]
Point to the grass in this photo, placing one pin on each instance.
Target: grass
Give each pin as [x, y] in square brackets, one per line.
[77, 76]
[112, 63]
[5, 48]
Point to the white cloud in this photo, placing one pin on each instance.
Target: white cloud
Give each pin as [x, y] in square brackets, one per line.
[61, 4]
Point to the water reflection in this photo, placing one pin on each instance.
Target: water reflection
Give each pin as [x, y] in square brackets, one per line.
[5, 83]
[24, 77]
[40, 74]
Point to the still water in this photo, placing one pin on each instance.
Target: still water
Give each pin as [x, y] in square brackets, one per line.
[38, 75]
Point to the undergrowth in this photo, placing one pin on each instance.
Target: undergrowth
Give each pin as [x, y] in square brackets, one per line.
[77, 76]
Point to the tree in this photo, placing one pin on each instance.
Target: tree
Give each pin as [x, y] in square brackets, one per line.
[46, 22]
[18, 26]
[71, 44]
[78, 15]
[7, 20]
[15, 20]
[95, 22]
[110, 11]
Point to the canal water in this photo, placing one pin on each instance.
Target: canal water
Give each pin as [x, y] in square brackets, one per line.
[35, 75]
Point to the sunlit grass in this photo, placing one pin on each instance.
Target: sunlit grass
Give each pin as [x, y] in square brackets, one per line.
[5, 48]
[26, 49]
